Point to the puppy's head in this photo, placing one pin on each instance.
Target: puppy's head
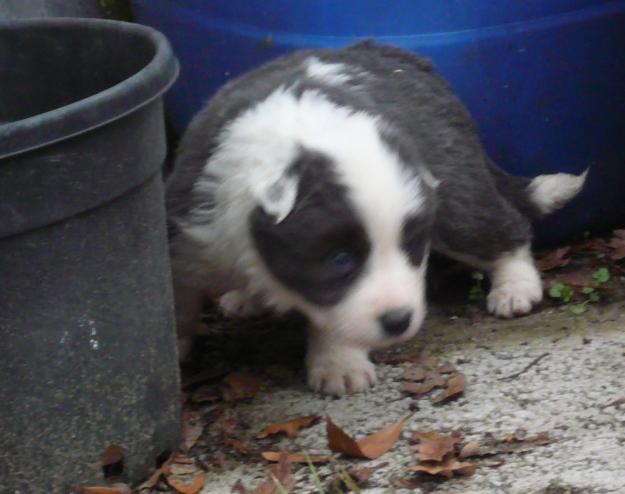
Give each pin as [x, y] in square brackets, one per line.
[344, 233]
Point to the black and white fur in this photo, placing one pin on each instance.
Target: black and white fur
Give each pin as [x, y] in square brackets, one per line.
[320, 181]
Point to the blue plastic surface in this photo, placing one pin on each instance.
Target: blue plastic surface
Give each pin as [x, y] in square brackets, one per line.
[545, 80]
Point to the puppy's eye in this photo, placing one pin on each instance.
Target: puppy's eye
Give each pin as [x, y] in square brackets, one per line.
[342, 261]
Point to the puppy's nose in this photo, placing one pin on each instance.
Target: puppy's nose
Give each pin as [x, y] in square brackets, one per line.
[396, 321]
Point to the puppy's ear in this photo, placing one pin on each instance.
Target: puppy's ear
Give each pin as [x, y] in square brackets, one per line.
[276, 195]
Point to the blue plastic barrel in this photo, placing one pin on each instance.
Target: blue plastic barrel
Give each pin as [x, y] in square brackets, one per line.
[544, 79]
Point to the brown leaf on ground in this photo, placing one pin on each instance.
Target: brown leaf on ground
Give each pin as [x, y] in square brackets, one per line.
[456, 384]
[414, 374]
[192, 487]
[472, 448]
[239, 446]
[591, 245]
[274, 456]
[192, 428]
[205, 394]
[617, 402]
[114, 453]
[617, 243]
[432, 381]
[351, 479]
[226, 423]
[239, 488]
[181, 469]
[281, 475]
[578, 279]
[433, 446]
[153, 479]
[290, 427]
[446, 468]
[113, 489]
[372, 446]
[520, 436]
[446, 368]
[241, 386]
[412, 483]
[363, 474]
[557, 258]
[515, 442]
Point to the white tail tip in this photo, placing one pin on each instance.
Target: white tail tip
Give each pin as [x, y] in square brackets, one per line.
[551, 192]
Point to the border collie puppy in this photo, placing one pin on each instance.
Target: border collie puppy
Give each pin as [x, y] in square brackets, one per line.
[320, 182]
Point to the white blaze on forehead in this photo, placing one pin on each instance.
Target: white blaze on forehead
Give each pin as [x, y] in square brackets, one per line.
[259, 145]
[329, 73]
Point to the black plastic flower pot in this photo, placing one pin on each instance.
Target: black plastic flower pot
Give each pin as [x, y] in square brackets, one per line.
[87, 342]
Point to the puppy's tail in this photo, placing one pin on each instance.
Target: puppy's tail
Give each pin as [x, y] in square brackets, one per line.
[539, 196]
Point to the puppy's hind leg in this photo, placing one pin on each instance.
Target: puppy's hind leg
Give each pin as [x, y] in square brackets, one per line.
[493, 236]
[516, 285]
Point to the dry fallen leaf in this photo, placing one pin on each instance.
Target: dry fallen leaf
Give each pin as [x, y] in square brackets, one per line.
[411, 483]
[204, 394]
[156, 475]
[515, 442]
[238, 445]
[239, 488]
[280, 475]
[274, 456]
[446, 368]
[413, 374]
[472, 448]
[372, 446]
[591, 245]
[290, 427]
[617, 402]
[114, 453]
[555, 259]
[520, 436]
[617, 243]
[456, 384]
[192, 487]
[447, 468]
[180, 469]
[578, 280]
[352, 477]
[192, 429]
[431, 381]
[433, 446]
[113, 489]
[241, 386]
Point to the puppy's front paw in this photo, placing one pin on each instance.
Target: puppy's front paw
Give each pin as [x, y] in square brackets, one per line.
[340, 370]
[238, 303]
[514, 297]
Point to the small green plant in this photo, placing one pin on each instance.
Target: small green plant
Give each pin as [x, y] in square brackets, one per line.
[281, 489]
[562, 291]
[565, 292]
[315, 475]
[349, 482]
[476, 292]
[601, 276]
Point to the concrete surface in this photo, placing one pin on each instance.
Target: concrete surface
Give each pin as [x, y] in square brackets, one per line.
[565, 393]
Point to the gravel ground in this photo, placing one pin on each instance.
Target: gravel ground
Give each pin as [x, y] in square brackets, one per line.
[550, 372]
